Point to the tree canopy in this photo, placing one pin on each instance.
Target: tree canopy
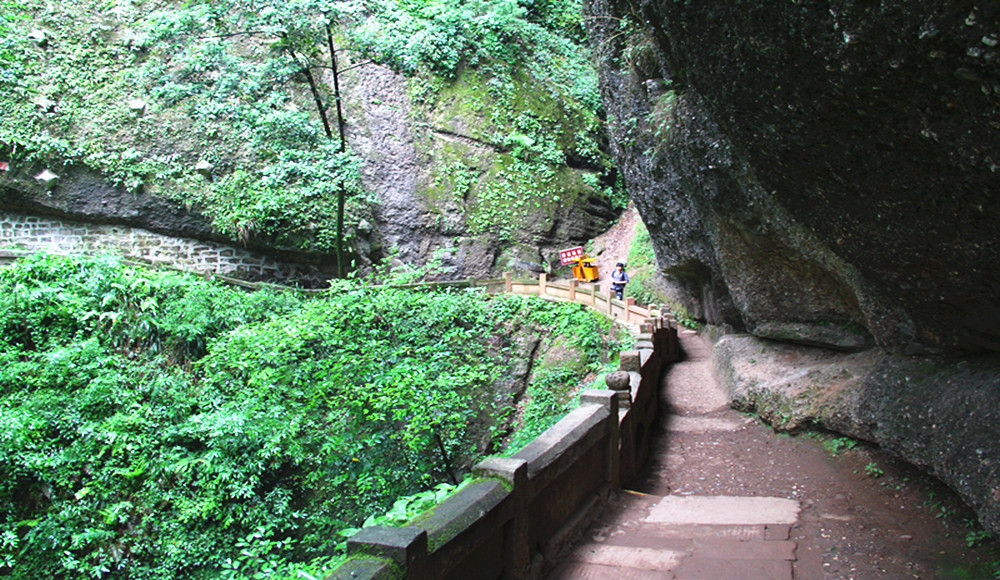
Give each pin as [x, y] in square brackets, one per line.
[156, 425]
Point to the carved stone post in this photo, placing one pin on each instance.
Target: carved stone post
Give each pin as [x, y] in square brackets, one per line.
[609, 401]
[619, 382]
[516, 543]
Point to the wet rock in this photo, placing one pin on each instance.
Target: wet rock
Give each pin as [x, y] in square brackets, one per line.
[828, 167]
[936, 412]
[839, 337]
[85, 196]
[204, 167]
[46, 178]
[817, 164]
[39, 37]
[44, 104]
[411, 154]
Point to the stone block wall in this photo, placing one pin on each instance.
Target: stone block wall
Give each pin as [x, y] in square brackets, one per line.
[44, 233]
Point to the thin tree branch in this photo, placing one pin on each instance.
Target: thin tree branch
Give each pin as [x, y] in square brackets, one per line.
[230, 34]
[353, 66]
[314, 88]
[358, 65]
[341, 195]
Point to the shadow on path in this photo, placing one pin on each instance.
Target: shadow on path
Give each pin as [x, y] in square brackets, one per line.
[726, 498]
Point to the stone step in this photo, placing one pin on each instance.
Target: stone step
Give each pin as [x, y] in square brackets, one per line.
[690, 538]
[718, 549]
[721, 545]
[708, 569]
[577, 571]
[723, 510]
[684, 424]
[658, 532]
[633, 557]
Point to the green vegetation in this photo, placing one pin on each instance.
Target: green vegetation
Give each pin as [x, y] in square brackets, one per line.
[873, 470]
[642, 272]
[835, 445]
[156, 425]
[534, 96]
[443, 35]
[227, 106]
[642, 267]
[144, 92]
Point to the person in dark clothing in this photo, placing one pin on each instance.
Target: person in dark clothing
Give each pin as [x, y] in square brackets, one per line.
[619, 279]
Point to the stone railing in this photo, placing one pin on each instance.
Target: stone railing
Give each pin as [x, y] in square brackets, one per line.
[511, 521]
[22, 233]
[571, 291]
[621, 310]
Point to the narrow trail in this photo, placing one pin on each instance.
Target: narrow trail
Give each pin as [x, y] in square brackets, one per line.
[613, 246]
[725, 498]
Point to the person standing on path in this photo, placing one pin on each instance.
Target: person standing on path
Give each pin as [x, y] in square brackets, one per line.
[619, 279]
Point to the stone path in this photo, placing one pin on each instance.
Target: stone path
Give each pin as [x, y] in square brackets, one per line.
[689, 534]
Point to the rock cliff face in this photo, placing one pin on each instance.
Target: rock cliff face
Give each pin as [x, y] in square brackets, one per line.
[443, 186]
[818, 162]
[826, 173]
[435, 167]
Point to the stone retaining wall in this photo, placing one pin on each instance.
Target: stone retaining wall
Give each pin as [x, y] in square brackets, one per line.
[43, 233]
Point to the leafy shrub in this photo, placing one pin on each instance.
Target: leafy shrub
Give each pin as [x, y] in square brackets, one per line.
[224, 82]
[156, 425]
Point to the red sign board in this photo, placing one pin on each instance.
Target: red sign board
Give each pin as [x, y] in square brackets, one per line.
[4, 166]
[571, 255]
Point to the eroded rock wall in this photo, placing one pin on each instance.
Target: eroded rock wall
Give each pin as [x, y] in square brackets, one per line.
[445, 183]
[826, 174]
[441, 184]
[939, 413]
[817, 163]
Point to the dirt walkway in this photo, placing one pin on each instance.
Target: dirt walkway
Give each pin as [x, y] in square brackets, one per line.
[725, 498]
[613, 246]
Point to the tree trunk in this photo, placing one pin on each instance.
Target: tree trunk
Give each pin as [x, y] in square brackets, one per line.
[341, 201]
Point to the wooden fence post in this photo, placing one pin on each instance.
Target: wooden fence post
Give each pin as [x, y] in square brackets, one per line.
[508, 285]
[572, 290]
[542, 279]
